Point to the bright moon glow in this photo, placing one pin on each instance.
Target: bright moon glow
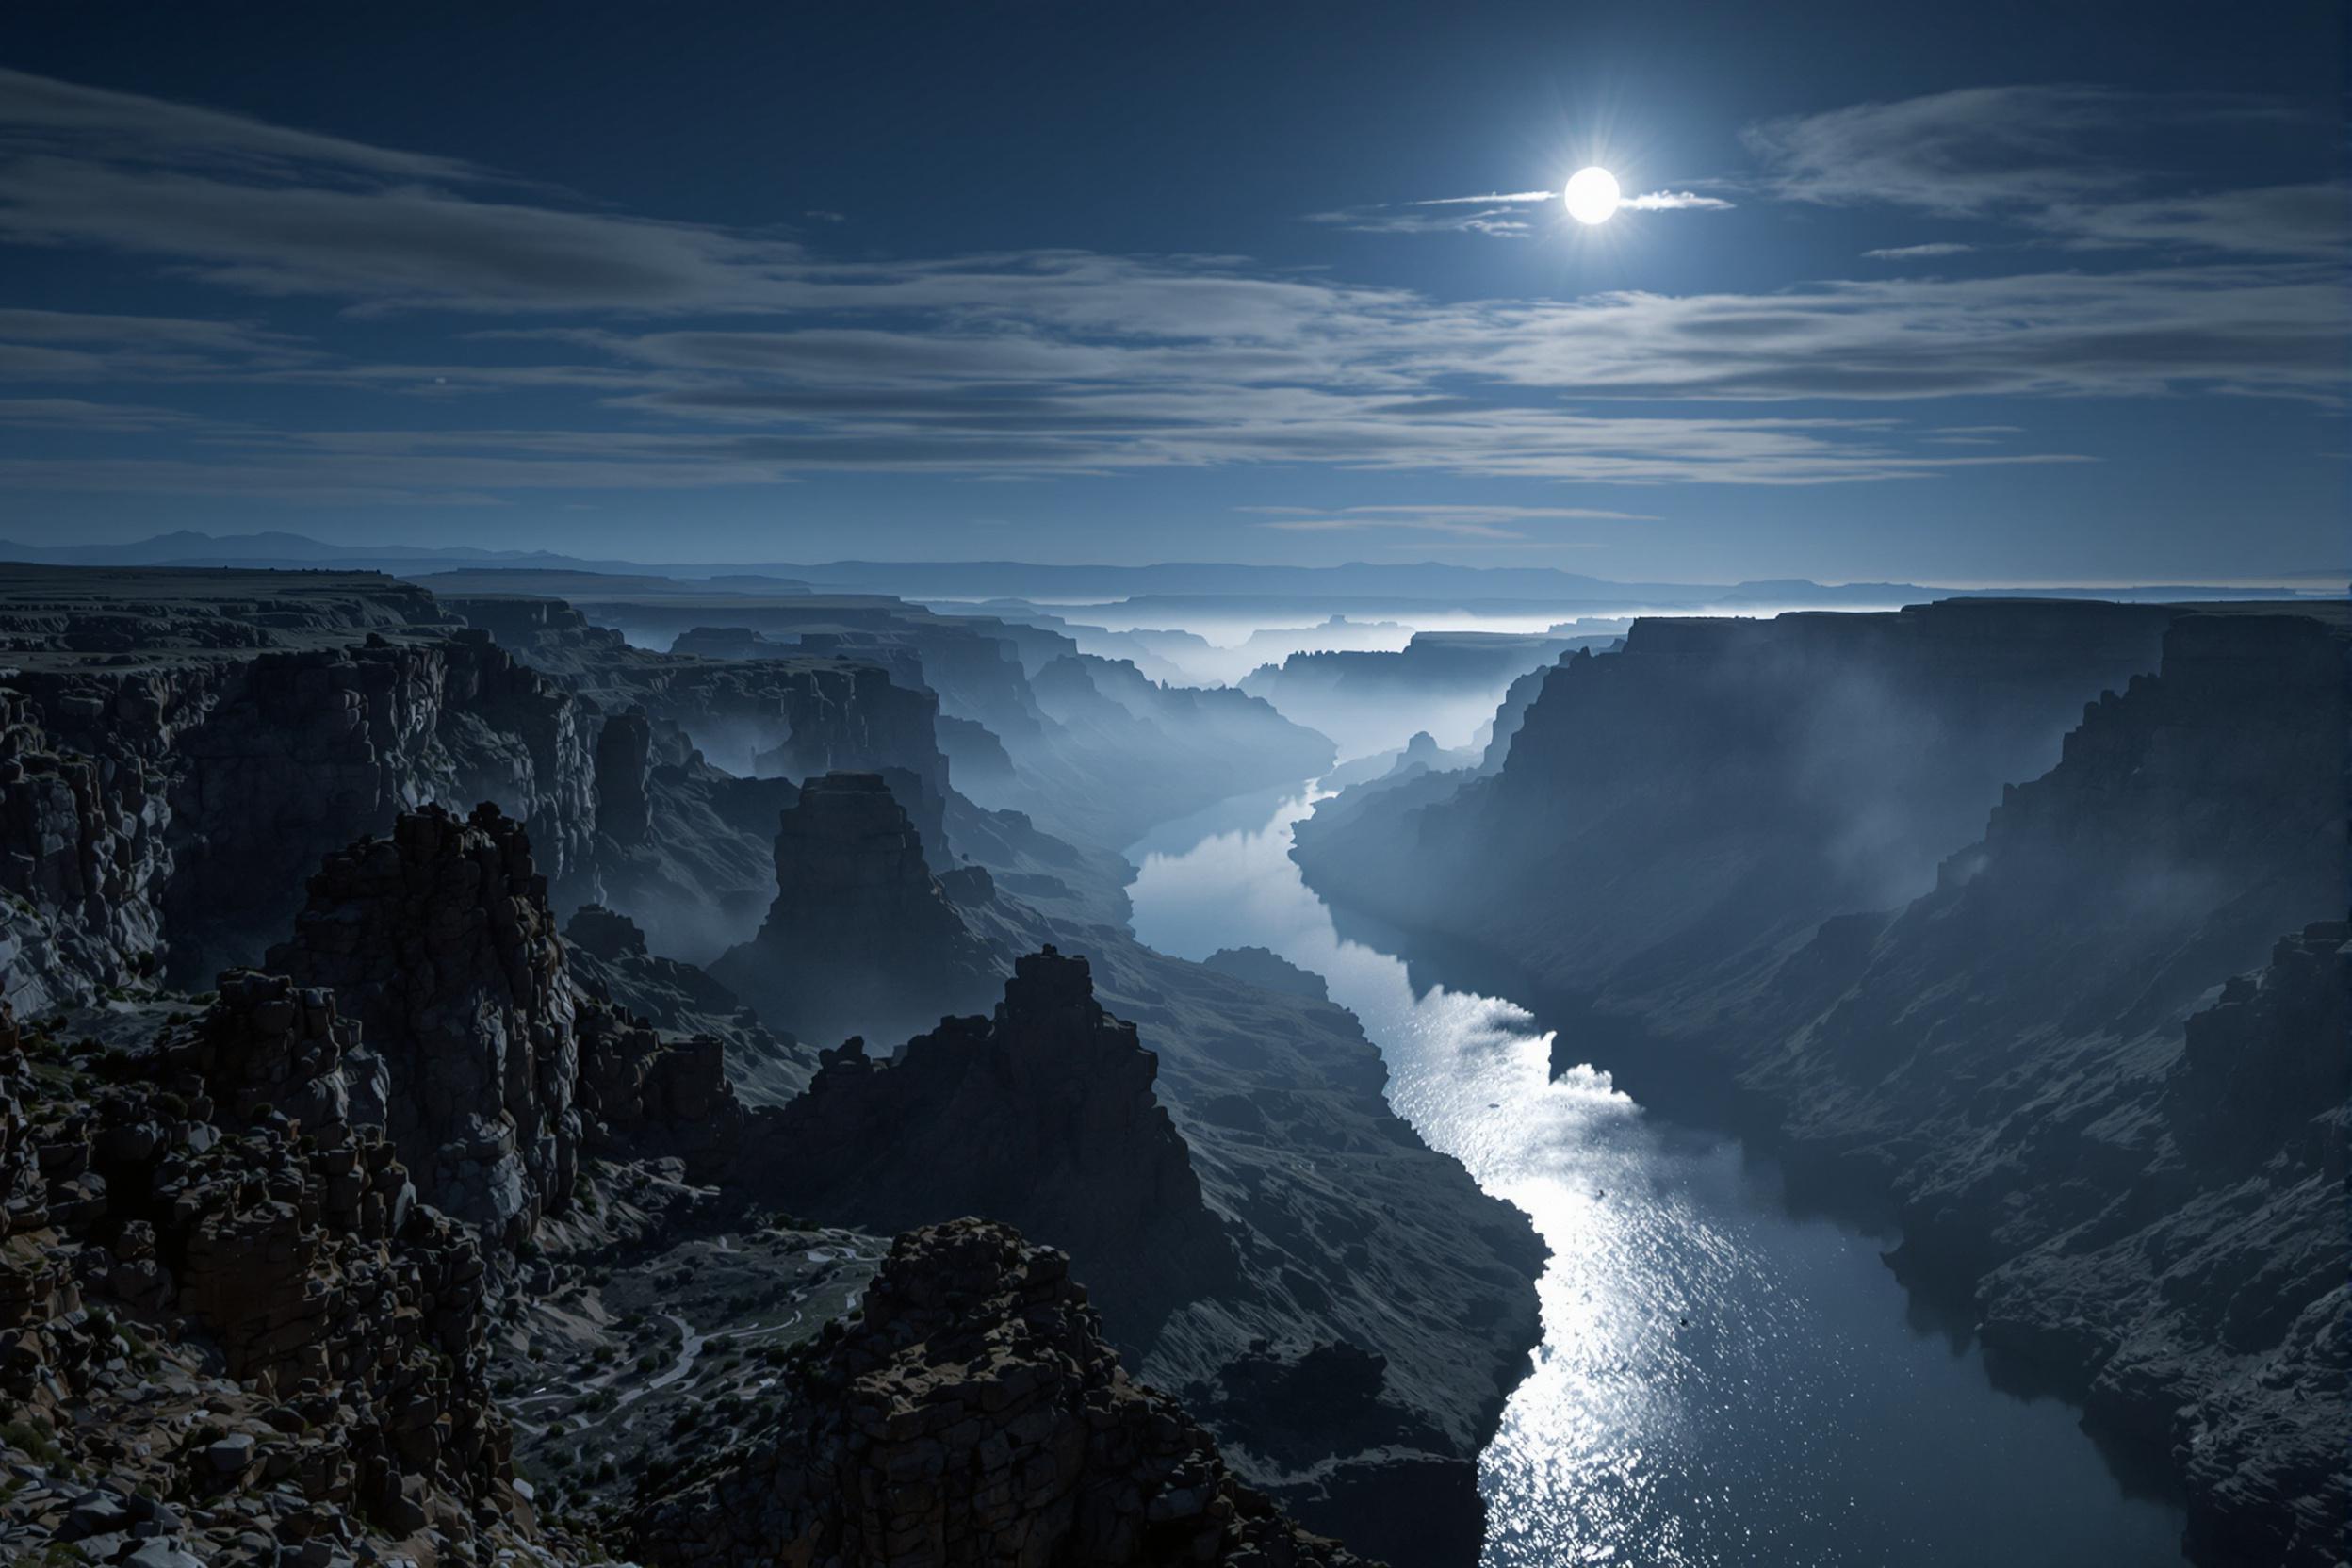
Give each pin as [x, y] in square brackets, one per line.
[1592, 195]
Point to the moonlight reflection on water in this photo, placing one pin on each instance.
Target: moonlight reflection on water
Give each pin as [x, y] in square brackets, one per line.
[1719, 1383]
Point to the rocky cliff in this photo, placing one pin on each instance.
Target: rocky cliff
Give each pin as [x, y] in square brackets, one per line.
[1120, 753]
[696, 755]
[1088, 748]
[861, 939]
[2138, 1180]
[1042, 1116]
[167, 781]
[2125, 1160]
[1372, 699]
[491, 1067]
[438, 941]
[974, 1415]
[1719, 787]
[223, 1330]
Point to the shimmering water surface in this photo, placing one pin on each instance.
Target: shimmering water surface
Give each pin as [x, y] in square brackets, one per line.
[1720, 1380]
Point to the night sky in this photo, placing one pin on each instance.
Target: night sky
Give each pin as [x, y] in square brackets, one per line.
[1952, 294]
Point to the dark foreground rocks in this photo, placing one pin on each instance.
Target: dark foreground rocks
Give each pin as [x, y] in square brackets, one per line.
[974, 1415]
[223, 1332]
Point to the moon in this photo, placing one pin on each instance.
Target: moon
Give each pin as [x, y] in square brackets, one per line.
[1592, 195]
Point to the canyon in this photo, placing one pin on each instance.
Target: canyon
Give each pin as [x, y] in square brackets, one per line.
[642, 1067]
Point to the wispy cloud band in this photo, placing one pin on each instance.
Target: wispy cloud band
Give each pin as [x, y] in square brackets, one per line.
[694, 356]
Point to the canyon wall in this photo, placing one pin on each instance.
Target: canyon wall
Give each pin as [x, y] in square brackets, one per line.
[160, 808]
[1997, 912]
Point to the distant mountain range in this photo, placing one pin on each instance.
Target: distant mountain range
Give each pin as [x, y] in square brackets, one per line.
[1421, 582]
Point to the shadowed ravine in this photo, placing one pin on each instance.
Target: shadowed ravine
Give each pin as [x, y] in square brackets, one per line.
[1722, 1380]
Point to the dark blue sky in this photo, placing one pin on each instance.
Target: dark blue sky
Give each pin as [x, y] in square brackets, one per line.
[1984, 293]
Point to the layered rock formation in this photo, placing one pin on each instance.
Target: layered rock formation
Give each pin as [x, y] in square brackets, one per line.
[1090, 748]
[793, 712]
[1042, 1116]
[170, 767]
[696, 754]
[861, 937]
[974, 1415]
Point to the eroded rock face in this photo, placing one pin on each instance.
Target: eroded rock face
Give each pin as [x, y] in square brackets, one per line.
[1044, 1116]
[975, 1415]
[607, 958]
[167, 1237]
[2135, 1185]
[438, 941]
[644, 1097]
[266, 1042]
[797, 711]
[1719, 787]
[861, 937]
[19, 1173]
[167, 810]
[623, 769]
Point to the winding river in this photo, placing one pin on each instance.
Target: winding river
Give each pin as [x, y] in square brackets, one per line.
[1722, 1380]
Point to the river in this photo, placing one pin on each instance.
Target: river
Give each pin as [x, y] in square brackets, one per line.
[1722, 1381]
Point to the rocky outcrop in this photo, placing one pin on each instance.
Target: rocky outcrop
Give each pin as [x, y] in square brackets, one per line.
[81, 858]
[1263, 967]
[696, 754]
[266, 1044]
[974, 1415]
[169, 1237]
[861, 939]
[307, 753]
[1042, 1116]
[438, 941]
[643, 1096]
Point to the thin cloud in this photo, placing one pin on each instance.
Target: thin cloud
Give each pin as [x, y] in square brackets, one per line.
[1920, 253]
[1501, 222]
[1520, 196]
[1431, 525]
[1674, 200]
[1502, 214]
[1453, 512]
[2069, 161]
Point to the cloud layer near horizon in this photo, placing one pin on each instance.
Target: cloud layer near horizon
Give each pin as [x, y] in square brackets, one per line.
[694, 356]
